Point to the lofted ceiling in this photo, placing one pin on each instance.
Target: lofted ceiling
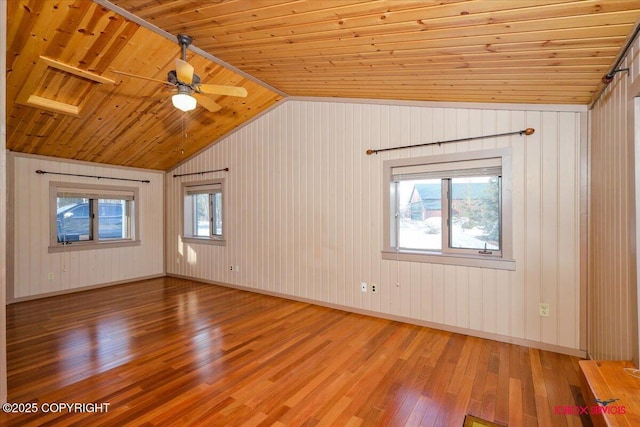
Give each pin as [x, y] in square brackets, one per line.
[129, 122]
[496, 51]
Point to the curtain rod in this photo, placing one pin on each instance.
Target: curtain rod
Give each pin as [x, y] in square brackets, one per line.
[527, 131]
[200, 173]
[41, 172]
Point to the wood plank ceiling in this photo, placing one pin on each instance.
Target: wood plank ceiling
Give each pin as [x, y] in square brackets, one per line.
[525, 51]
[131, 122]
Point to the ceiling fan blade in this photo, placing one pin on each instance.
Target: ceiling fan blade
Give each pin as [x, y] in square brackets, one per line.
[223, 90]
[184, 70]
[207, 103]
[142, 77]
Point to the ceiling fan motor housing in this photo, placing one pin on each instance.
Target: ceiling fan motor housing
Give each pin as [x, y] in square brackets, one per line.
[184, 89]
[172, 77]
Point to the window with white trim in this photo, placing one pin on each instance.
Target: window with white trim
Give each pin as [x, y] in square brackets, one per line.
[448, 209]
[203, 211]
[84, 216]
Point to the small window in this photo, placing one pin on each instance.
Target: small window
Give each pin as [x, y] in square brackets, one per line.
[203, 211]
[88, 216]
[449, 209]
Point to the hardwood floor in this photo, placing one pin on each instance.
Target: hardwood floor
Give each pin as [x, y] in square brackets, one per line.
[175, 352]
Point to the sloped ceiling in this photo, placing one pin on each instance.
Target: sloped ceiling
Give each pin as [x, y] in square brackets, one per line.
[525, 51]
[130, 122]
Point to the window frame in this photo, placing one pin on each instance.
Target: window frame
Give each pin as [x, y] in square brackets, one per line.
[95, 242]
[212, 239]
[450, 256]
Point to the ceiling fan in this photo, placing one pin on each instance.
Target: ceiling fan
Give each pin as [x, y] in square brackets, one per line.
[190, 91]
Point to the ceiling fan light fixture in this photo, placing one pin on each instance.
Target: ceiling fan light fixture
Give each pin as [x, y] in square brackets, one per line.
[184, 102]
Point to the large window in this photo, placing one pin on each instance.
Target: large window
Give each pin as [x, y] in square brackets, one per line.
[449, 209]
[203, 211]
[91, 216]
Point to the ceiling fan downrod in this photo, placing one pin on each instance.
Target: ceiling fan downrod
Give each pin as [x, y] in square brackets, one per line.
[184, 41]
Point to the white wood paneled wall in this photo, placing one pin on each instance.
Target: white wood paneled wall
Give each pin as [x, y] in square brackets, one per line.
[613, 263]
[304, 215]
[77, 269]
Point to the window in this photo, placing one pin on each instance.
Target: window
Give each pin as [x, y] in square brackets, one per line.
[449, 209]
[203, 211]
[91, 216]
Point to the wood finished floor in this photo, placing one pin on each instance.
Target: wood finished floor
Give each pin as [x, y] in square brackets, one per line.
[175, 352]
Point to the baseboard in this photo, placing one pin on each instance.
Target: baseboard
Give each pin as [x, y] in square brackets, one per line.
[448, 328]
[82, 288]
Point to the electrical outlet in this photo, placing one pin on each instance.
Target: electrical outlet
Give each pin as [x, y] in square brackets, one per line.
[363, 287]
[236, 268]
[374, 288]
[544, 309]
[231, 268]
[50, 276]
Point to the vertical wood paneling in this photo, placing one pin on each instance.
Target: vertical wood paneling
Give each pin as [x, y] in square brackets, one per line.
[568, 292]
[490, 305]
[518, 304]
[308, 206]
[475, 299]
[612, 275]
[415, 291]
[426, 299]
[438, 293]
[503, 293]
[549, 223]
[462, 297]
[532, 226]
[74, 269]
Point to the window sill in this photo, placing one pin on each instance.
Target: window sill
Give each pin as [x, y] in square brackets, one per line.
[81, 246]
[448, 259]
[204, 240]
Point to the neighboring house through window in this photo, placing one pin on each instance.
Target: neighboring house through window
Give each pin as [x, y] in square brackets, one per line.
[84, 216]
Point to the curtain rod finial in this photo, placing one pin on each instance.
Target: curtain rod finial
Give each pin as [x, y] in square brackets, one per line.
[370, 152]
[529, 131]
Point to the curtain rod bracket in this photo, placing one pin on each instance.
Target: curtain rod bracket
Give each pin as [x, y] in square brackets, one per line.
[608, 78]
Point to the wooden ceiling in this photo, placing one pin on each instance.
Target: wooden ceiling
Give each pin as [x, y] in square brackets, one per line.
[130, 122]
[524, 51]
[506, 51]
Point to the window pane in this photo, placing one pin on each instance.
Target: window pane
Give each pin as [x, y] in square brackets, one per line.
[73, 221]
[201, 220]
[475, 213]
[112, 219]
[420, 214]
[217, 213]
